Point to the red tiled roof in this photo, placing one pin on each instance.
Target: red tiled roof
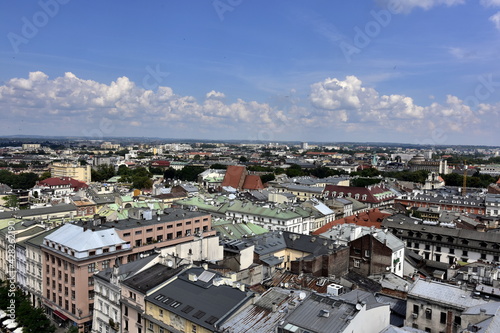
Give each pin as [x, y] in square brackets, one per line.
[161, 163]
[61, 181]
[253, 182]
[371, 218]
[234, 176]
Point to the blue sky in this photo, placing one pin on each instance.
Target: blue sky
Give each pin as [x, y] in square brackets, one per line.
[412, 71]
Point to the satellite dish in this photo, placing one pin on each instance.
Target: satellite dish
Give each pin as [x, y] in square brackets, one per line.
[302, 295]
[170, 263]
[359, 307]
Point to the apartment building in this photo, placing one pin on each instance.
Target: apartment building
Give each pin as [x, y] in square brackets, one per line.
[72, 255]
[75, 252]
[438, 307]
[107, 292]
[198, 300]
[135, 289]
[456, 203]
[444, 242]
[73, 170]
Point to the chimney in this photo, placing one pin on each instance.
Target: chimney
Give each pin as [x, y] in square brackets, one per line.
[192, 277]
[205, 266]
[275, 307]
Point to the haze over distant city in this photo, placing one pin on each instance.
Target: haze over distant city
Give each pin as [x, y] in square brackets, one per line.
[420, 72]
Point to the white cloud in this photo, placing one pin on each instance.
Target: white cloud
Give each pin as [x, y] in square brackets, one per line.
[406, 6]
[215, 94]
[43, 100]
[496, 20]
[490, 3]
[69, 105]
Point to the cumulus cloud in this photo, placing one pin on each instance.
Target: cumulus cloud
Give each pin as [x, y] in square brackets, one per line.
[216, 95]
[350, 102]
[122, 100]
[496, 20]
[406, 6]
[71, 105]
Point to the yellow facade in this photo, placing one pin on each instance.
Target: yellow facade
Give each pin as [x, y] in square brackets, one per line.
[75, 171]
[160, 320]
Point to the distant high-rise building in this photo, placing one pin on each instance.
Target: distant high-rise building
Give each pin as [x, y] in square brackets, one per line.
[304, 145]
[73, 170]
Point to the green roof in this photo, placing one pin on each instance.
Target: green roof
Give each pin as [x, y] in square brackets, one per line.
[227, 229]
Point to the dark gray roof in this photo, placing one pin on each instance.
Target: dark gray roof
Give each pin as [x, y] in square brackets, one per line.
[406, 224]
[23, 213]
[38, 239]
[169, 216]
[151, 277]
[340, 311]
[201, 302]
[128, 269]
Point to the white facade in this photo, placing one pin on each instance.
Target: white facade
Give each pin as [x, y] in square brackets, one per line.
[207, 249]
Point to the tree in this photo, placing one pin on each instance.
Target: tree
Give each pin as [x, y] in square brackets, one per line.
[170, 173]
[294, 171]
[267, 177]
[362, 182]
[11, 201]
[45, 175]
[190, 173]
[243, 159]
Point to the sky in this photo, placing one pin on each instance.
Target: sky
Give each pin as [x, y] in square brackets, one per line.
[407, 71]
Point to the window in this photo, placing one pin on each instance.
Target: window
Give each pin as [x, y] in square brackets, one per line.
[73, 294]
[442, 318]
[138, 232]
[161, 312]
[416, 307]
[151, 326]
[105, 264]
[178, 234]
[428, 314]
[159, 228]
[72, 280]
[149, 230]
[125, 311]
[91, 281]
[465, 253]
[91, 267]
[357, 263]
[452, 251]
